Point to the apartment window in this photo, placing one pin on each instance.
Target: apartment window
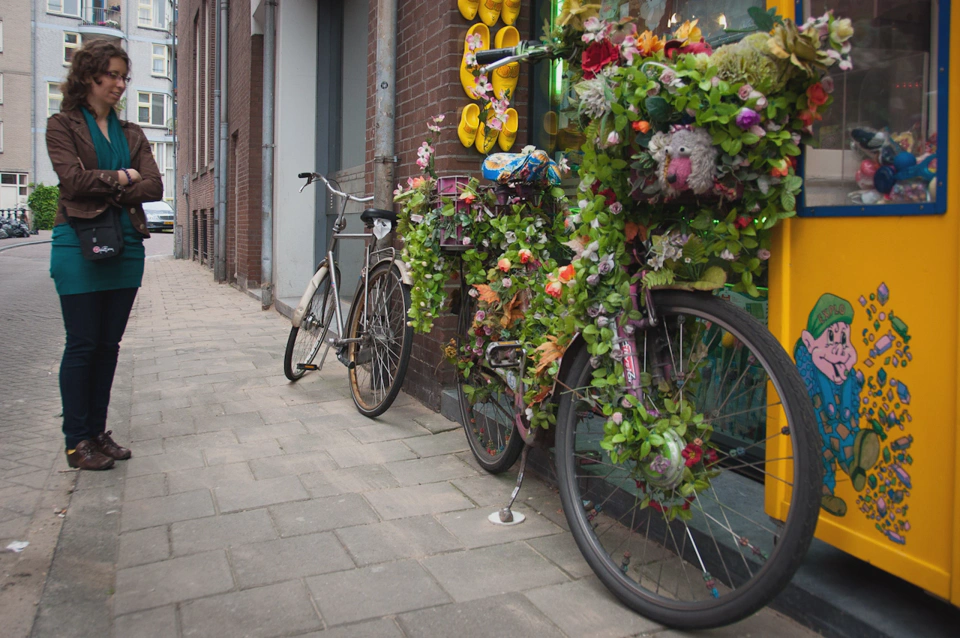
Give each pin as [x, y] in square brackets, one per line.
[1, 136]
[71, 42]
[1, 36]
[160, 59]
[64, 7]
[152, 14]
[54, 98]
[15, 179]
[163, 154]
[1, 88]
[151, 109]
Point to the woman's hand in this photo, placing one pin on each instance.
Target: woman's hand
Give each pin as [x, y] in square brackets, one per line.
[134, 176]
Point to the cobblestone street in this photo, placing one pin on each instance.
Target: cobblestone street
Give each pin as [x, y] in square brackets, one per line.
[257, 507]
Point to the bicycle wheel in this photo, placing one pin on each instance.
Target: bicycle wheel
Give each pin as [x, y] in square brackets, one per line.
[486, 397]
[305, 341]
[730, 558]
[378, 360]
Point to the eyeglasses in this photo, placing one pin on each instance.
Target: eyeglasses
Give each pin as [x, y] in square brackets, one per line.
[116, 77]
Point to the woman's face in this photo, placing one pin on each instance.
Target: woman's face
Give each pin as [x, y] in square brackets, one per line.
[111, 85]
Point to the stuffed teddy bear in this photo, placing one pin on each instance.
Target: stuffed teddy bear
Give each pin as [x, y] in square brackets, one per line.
[686, 160]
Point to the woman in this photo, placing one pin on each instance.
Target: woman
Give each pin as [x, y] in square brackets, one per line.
[102, 164]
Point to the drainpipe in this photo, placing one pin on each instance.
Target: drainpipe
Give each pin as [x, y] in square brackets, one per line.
[217, 176]
[384, 159]
[223, 28]
[34, 116]
[266, 239]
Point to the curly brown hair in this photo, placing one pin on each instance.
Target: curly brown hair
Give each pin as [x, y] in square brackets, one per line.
[89, 62]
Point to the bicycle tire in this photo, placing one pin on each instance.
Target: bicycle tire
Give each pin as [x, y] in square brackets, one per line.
[740, 592]
[379, 362]
[305, 340]
[494, 441]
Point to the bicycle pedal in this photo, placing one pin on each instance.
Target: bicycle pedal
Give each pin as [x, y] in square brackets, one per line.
[307, 366]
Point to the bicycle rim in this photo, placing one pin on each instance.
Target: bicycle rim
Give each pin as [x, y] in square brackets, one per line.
[486, 397]
[305, 341]
[732, 557]
[379, 359]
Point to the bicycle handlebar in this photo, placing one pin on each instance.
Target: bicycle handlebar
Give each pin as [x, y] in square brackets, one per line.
[523, 52]
[312, 177]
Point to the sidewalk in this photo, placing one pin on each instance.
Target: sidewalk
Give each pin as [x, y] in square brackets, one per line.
[257, 507]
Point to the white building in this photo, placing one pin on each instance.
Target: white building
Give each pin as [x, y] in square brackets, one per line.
[144, 28]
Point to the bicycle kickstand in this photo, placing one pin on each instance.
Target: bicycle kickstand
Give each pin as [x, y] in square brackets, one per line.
[506, 516]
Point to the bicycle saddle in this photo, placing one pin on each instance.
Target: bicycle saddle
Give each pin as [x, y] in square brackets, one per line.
[369, 215]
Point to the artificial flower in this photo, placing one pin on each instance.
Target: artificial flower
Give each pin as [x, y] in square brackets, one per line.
[525, 255]
[597, 56]
[817, 95]
[747, 118]
[554, 289]
[641, 126]
[763, 254]
[504, 264]
[567, 273]
[689, 32]
[648, 43]
[742, 221]
[691, 454]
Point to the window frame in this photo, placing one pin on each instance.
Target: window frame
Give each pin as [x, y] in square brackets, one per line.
[166, 60]
[78, 14]
[66, 46]
[1, 139]
[938, 207]
[59, 94]
[149, 104]
[1, 87]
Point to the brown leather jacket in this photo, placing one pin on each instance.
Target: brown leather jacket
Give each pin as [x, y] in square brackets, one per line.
[86, 191]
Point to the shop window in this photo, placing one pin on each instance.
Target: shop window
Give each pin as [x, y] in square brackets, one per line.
[553, 126]
[880, 146]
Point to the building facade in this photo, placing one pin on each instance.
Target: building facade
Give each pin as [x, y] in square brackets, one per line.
[324, 112]
[16, 156]
[144, 28]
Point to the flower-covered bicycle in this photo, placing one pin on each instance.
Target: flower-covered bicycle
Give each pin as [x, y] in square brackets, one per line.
[595, 329]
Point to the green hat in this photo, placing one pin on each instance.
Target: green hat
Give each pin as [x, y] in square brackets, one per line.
[830, 309]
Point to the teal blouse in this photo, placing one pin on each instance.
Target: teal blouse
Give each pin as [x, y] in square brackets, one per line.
[74, 275]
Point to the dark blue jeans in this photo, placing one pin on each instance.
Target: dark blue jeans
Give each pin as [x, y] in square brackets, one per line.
[95, 322]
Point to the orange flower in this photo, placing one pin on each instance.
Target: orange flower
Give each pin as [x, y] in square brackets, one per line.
[648, 44]
[525, 255]
[417, 182]
[554, 289]
[641, 126]
[816, 95]
[567, 273]
[504, 264]
[781, 170]
[468, 197]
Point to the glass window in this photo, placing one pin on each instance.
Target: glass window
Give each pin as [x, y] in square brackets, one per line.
[152, 14]
[877, 144]
[54, 98]
[151, 109]
[65, 7]
[159, 60]
[554, 125]
[1, 88]
[71, 42]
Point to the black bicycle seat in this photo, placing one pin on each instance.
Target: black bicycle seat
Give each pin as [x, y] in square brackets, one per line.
[371, 214]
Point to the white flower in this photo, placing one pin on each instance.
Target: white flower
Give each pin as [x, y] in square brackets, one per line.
[613, 138]
[507, 282]
[726, 254]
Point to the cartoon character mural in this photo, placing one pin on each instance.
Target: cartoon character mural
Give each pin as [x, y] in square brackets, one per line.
[856, 408]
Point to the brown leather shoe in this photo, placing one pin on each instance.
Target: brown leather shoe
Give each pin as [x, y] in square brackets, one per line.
[87, 457]
[108, 447]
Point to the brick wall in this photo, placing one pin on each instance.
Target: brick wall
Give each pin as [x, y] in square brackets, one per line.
[430, 42]
[244, 120]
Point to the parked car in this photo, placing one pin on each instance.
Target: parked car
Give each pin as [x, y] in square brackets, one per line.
[159, 216]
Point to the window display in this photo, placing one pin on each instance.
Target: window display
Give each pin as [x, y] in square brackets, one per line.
[878, 144]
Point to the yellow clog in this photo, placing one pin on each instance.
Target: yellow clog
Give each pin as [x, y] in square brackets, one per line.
[468, 8]
[489, 11]
[467, 79]
[505, 78]
[486, 139]
[469, 123]
[510, 11]
[508, 135]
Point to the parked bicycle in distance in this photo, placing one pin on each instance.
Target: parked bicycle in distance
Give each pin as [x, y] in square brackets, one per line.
[375, 341]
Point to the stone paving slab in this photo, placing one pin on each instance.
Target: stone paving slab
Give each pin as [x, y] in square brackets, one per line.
[253, 506]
